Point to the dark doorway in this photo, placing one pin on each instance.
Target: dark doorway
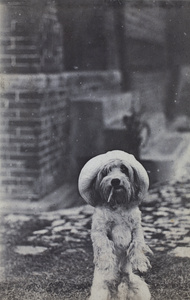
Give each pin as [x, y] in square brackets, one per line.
[84, 38]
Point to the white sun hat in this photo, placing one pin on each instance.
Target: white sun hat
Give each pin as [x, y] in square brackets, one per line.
[94, 165]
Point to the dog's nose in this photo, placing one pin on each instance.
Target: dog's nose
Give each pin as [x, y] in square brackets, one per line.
[115, 182]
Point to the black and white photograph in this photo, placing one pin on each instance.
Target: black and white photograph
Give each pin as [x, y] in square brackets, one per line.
[94, 149]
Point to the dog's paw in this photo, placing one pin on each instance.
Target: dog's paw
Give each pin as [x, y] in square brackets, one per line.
[99, 293]
[137, 257]
[146, 249]
[141, 264]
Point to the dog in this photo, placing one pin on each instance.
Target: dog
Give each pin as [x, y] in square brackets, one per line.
[115, 183]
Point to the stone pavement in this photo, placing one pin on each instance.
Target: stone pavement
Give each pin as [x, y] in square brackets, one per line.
[165, 215]
[66, 233]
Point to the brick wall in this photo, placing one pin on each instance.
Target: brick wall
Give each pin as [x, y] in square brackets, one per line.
[35, 129]
[30, 37]
[33, 108]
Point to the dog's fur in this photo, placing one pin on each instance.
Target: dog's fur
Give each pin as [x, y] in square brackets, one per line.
[117, 235]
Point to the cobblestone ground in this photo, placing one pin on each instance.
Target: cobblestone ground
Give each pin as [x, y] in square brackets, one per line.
[49, 255]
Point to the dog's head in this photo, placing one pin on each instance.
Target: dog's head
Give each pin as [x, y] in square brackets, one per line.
[114, 178]
[116, 184]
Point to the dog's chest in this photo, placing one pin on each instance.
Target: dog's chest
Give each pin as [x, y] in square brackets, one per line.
[120, 230]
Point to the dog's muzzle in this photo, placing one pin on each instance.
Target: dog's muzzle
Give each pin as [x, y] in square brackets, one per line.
[117, 193]
[115, 183]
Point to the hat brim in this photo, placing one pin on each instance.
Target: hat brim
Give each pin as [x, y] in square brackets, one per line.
[94, 165]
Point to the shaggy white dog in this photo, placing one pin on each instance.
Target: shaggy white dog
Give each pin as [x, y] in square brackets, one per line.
[115, 183]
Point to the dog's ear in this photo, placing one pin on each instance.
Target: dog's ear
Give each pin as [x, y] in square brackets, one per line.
[130, 173]
[95, 196]
[139, 186]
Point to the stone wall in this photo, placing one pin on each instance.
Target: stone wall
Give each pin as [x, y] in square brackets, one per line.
[146, 54]
[145, 23]
[178, 59]
[152, 87]
[183, 92]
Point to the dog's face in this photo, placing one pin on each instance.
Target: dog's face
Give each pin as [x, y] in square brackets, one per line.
[116, 185]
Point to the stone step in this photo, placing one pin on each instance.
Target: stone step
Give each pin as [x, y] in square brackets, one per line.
[113, 106]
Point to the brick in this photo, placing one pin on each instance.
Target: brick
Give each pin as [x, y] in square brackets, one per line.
[29, 114]
[21, 50]
[29, 149]
[23, 174]
[5, 41]
[22, 69]
[5, 60]
[23, 31]
[8, 114]
[22, 123]
[8, 132]
[29, 59]
[27, 139]
[20, 29]
[31, 95]
[27, 105]
[10, 96]
[9, 182]
[30, 132]
[24, 41]
[9, 148]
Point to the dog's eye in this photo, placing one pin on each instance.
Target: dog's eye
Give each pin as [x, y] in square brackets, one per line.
[104, 172]
[124, 170]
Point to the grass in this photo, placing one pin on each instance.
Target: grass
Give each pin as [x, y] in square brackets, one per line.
[53, 277]
[169, 278]
[59, 274]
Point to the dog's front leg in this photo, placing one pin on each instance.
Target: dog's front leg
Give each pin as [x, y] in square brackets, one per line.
[106, 274]
[137, 250]
[103, 287]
